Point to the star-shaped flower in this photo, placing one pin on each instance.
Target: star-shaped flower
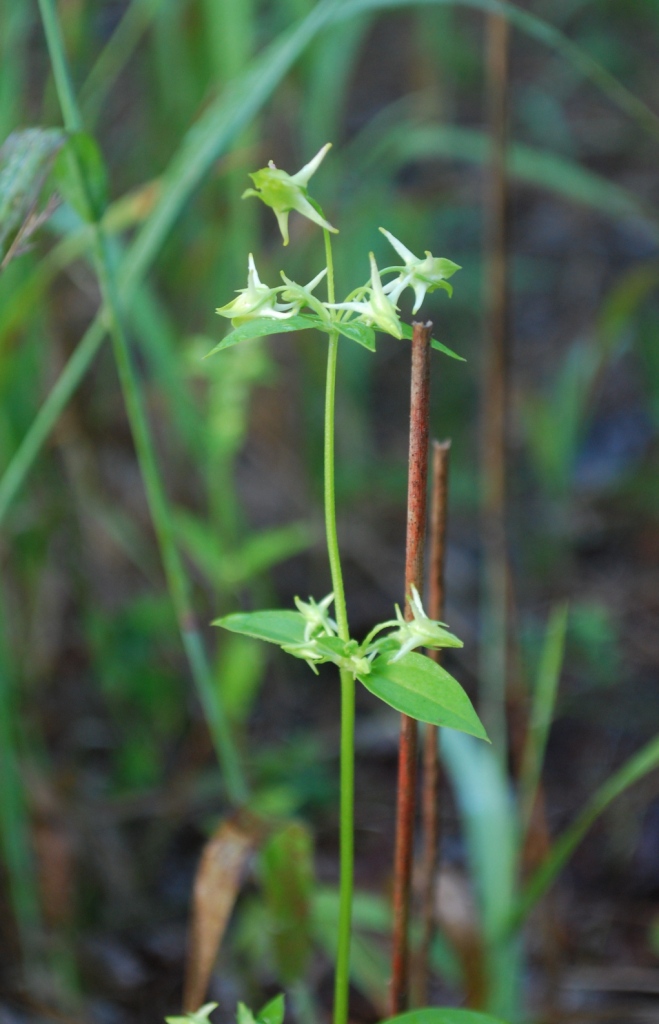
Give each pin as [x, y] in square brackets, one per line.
[421, 631]
[254, 301]
[316, 617]
[421, 275]
[298, 295]
[378, 310]
[285, 192]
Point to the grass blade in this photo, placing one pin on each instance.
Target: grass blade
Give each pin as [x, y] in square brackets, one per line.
[490, 830]
[542, 712]
[638, 766]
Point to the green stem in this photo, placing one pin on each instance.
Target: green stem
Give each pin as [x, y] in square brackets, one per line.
[347, 773]
[156, 497]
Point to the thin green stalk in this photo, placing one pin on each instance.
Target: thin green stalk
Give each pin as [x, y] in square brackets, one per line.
[347, 772]
[49, 413]
[158, 504]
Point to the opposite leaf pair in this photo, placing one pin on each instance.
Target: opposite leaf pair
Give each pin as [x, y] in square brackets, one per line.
[409, 682]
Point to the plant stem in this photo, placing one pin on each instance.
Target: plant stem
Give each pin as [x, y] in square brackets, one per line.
[430, 808]
[156, 497]
[347, 772]
[407, 767]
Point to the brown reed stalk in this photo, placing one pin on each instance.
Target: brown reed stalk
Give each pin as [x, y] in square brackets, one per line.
[430, 791]
[417, 487]
[494, 661]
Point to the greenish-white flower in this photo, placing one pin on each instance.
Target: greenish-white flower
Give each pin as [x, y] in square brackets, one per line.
[316, 617]
[422, 275]
[298, 295]
[284, 192]
[256, 300]
[378, 310]
[421, 631]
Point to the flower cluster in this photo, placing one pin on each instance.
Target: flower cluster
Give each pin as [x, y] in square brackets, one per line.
[322, 644]
[375, 304]
[257, 300]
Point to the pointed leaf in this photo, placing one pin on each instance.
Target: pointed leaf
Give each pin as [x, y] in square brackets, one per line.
[244, 1015]
[272, 1012]
[361, 333]
[408, 333]
[422, 689]
[276, 627]
[263, 326]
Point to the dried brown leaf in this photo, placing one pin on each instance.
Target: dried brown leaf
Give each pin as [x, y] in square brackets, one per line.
[217, 884]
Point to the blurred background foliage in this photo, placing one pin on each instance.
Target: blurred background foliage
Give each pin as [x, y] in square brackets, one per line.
[108, 779]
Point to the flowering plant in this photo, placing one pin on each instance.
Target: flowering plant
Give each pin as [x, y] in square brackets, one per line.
[386, 661]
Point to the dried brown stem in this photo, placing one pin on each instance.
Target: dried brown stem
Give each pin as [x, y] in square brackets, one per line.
[430, 797]
[494, 642]
[407, 766]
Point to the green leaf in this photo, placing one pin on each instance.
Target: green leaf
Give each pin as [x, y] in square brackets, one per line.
[244, 1015]
[489, 826]
[422, 689]
[276, 627]
[287, 876]
[25, 159]
[82, 177]
[272, 1012]
[263, 326]
[361, 333]
[408, 333]
[437, 1015]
